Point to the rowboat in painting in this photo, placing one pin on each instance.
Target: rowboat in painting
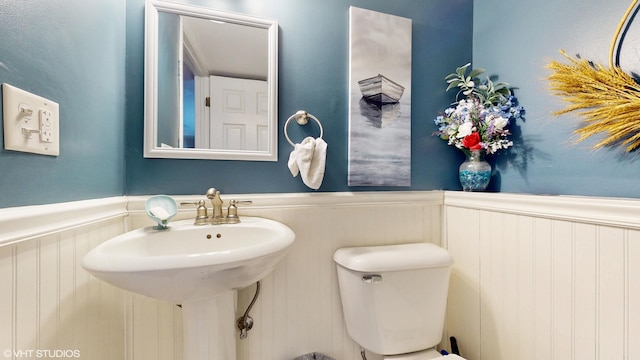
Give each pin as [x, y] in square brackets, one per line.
[379, 116]
[381, 90]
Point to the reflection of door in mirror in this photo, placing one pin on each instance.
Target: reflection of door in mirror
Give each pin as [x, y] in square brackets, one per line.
[226, 64]
[238, 114]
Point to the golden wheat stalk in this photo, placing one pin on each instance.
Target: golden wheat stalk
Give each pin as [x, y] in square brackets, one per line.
[607, 98]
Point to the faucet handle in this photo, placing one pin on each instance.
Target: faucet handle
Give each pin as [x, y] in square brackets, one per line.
[232, 211]
[201, 212]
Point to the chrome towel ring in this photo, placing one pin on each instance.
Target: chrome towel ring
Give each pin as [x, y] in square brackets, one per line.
[302, 118]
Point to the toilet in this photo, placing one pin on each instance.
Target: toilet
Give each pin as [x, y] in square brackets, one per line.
[394, 298]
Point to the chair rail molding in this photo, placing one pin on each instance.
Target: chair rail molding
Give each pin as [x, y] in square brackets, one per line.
[29, 222]
[295, 200]
[618, 212]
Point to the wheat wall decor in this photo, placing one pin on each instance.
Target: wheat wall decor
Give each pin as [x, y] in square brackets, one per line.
[607, 97]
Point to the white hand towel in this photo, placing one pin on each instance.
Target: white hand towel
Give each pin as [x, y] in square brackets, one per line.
[313, 178]
[308, 159]
[301, 153]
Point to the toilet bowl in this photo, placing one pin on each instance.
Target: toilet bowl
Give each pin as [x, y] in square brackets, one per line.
[394, 297]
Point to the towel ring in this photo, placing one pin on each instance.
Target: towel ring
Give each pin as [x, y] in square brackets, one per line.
[302, 118]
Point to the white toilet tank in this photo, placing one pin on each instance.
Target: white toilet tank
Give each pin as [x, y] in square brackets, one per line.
[394, 297]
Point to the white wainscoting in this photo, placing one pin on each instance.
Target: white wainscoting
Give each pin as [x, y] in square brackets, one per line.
[299, 308]
[535, 277]
[539, 277]
[48, 303]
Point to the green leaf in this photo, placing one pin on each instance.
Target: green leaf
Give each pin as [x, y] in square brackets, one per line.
[501, 85]
[476, 72]
[462, 70]
[452, 85]
[504, 91]
[451, 76]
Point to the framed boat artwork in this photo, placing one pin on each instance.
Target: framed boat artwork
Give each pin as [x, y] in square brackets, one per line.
[380, 99]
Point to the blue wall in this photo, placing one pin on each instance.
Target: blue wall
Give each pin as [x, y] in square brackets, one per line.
[72, 52]
[516, 40]
[88, 56]
[313, 75]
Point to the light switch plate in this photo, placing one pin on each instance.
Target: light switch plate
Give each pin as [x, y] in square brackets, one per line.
[31, 122]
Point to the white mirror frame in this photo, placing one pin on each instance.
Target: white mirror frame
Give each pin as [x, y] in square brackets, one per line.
[151, 83]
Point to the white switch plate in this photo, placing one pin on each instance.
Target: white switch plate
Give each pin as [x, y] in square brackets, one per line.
[31, 122]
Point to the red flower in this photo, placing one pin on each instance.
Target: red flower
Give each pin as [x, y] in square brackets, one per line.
[472, 141]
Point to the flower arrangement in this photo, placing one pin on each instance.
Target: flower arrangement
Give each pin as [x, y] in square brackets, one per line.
[479, 121]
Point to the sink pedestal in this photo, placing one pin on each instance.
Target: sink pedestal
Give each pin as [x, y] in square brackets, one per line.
[209, 328]
[196, 266]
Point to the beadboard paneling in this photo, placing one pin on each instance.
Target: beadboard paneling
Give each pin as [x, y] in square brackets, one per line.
[299, 309]
[535, 284]
[49, 302]
[535, 277]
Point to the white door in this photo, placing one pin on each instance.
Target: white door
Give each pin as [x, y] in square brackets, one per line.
[238, 114]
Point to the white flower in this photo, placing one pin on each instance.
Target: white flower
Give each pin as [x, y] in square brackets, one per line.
[465, 129]
[499, 122]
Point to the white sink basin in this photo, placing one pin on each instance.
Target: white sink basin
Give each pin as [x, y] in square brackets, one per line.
[186, 263]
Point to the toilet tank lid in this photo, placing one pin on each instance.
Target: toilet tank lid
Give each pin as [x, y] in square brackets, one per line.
[393, 257]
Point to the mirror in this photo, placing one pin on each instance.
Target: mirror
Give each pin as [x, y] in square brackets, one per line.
[211, 84]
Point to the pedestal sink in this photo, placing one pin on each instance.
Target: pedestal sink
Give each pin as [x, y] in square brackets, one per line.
[199, 267]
